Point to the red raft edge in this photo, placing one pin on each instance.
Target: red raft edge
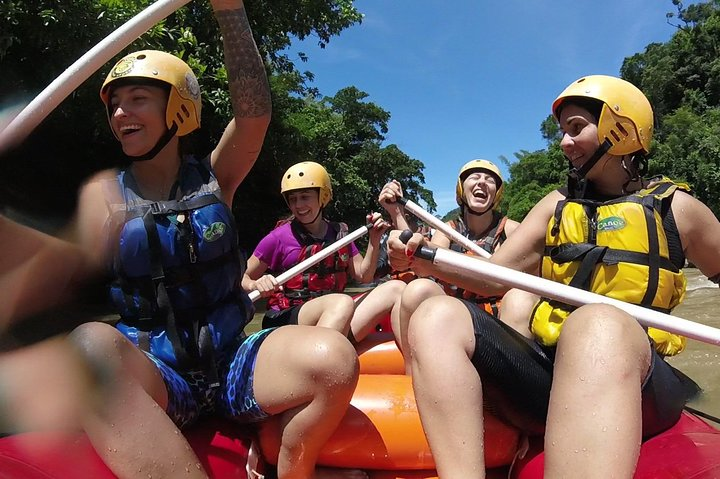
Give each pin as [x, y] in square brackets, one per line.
[221, 446]
[688, 450]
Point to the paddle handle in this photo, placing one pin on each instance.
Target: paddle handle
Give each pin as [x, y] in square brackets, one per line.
[437, 223]
[564, 293]
[316, 258]
[49, 99]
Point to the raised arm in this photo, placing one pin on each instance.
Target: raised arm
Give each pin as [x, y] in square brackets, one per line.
[242, 140]
[362, 268]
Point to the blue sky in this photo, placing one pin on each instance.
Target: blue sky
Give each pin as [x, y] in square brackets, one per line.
[468, 79]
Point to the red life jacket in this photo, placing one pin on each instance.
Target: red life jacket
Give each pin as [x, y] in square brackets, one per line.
[328, 276]
[489, 242]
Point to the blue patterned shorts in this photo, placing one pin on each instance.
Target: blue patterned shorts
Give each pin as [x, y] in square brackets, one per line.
[190, 397]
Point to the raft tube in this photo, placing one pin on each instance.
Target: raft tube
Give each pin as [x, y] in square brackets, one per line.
[382, 431]
[379, 354]
[221, 446]
[688, 450]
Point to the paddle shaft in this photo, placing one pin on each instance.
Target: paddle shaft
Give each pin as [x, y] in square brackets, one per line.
[316, 258]
[49, 99]
[565, 293]
[437, 223]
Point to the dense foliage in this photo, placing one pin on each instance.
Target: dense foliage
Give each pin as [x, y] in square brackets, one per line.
[344, 131]
[682, 80]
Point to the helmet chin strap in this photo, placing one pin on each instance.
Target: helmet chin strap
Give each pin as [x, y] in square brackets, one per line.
[313, 220]
[161, 143]
[577, 183]
[471, 211]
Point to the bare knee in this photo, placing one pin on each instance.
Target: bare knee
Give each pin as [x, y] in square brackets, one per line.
[100, 342]
[340, 306]
[605, 334]
[418, 291]
[516, 309]
[439, 319]
[394, 288]
[332, 311]
[329, 358]
[117, 358]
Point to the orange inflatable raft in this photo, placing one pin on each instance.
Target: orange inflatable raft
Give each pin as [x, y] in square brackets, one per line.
[381, 432]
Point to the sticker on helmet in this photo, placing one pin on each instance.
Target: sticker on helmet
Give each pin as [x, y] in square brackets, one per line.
[123, 67]
[192, 86]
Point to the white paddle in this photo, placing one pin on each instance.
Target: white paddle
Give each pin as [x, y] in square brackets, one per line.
[561, 292]
[316, 258]
[419, 212]
[49, 99]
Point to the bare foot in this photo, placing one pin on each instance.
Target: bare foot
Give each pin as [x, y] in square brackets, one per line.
[337, 473]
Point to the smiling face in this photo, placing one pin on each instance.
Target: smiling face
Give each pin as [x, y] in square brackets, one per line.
[479, 190]
[304, 205]
[137, 117]
[580, 135]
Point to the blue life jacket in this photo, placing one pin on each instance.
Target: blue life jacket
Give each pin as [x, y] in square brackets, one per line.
[178, 270]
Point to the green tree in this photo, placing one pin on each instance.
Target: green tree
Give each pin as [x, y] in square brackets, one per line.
[40, 38]
[690, 152]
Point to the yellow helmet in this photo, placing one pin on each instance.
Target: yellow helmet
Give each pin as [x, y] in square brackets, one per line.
[626, 118]
[307, 174]
[483, 165]
[184, 103]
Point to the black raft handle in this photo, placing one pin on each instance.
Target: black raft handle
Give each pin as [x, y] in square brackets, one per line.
[422, 252]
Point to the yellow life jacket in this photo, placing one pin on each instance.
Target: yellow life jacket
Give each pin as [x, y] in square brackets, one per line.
[618, 249]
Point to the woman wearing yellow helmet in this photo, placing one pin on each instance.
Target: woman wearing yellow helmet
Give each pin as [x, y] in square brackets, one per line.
[591, 378]
[311, 298]
[478, 192]
[180, 343]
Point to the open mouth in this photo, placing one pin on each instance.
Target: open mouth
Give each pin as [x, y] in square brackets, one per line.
[129, 130]
[479, 194]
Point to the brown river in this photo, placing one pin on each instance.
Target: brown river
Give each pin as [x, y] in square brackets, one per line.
[701, 361]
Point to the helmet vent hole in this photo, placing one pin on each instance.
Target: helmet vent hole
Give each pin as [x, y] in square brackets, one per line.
[615, 135]
[185, 111]
[180, 118]
[141, 57]
[301, 174]
[622, 129]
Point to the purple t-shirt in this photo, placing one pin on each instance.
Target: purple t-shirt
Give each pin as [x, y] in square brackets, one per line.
[280, 249]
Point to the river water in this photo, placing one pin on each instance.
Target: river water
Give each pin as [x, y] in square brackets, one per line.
[701, 361]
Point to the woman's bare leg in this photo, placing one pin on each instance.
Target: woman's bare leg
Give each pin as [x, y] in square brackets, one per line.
[372, 307]
[415, 293]
[594, 426]
[307, 375]
[48, 386]
[131, 432]
[516, 308]
[332, 311]
[447, 386]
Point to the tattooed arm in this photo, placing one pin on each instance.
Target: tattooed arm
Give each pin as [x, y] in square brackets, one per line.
[250, 95]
